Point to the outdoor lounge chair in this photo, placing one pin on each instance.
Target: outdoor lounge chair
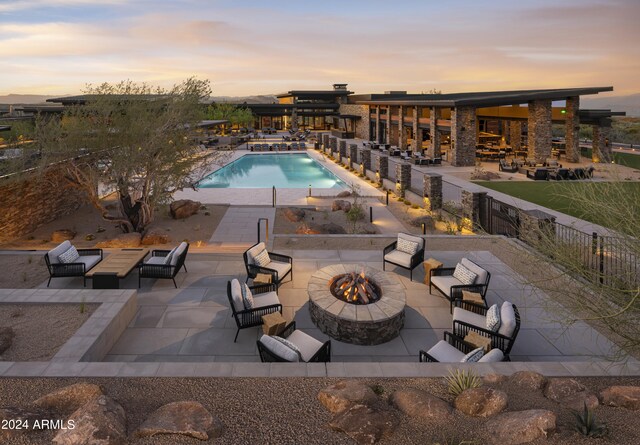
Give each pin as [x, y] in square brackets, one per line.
[406, 252]
[447, 281]
[265, 301]
[310, 349]
[164, 264]
[507, 167]
[435, 161]
[278, 266]
[71, 265]
[538, 173]
[502, 338]
[454, 349]
[559, 174]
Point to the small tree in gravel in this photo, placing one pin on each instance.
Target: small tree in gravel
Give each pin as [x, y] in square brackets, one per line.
[129, 138]
[356, 212]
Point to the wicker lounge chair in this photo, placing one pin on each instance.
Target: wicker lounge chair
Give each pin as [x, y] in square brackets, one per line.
[74, 267]
[279, 266]
[453, 349]
[311, 350]
[265, 301]
[159, 267]
[398, 253]
[451, 287]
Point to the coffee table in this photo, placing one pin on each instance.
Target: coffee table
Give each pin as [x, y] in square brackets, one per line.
[117, 265]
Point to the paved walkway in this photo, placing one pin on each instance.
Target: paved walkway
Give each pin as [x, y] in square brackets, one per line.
[239, 227]
[193, 323]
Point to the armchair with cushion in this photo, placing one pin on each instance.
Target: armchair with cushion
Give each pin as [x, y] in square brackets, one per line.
[453, 349]
[164, 264]
[258, 260]
[406, 252]
[501, 323]
[305, 347]
[264, 301]
[66, 261]
[507, 167]
[451, 281]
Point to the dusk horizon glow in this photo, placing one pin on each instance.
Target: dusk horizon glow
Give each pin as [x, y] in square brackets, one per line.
[57, 47]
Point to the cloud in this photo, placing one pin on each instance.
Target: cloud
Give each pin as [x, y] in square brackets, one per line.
[20, 5]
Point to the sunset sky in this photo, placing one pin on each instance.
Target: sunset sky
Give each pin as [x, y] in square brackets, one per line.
[263, 47]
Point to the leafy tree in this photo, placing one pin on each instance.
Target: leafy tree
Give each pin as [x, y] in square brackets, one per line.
[236, 115]
[133, 139]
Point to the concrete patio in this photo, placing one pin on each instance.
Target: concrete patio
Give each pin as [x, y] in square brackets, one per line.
[193, 323]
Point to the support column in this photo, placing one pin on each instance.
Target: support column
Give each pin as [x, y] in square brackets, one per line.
[377, 133]
[434, 149]
[572, 129]
[432, 191]
[353, 154]
[539, 130]
[402, 135]
[365, 160]
[342, 150]
[325, 142]
[463, 136]
[381, 165]
[601, 151]
[393, 131]
[388, 132]
[515, 135]
[416, 147]
[471, 202]
[403, 178]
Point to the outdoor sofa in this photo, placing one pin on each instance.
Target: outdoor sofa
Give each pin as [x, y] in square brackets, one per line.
[65, 260]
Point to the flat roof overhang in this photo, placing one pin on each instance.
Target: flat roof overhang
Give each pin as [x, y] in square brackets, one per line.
[488, 99]
[319, 94]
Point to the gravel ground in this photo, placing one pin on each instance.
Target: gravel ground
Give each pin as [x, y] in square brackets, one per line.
[26, 271]
[286, 411]
[40, 330]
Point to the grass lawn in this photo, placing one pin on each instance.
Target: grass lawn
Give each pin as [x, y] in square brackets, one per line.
[627, 159]
[553, 195]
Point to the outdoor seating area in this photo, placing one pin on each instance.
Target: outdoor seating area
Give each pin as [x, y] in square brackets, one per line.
[278, 146]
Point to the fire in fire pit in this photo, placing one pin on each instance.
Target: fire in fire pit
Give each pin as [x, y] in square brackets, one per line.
[355, 288]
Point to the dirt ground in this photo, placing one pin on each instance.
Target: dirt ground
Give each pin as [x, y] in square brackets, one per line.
[88, 221]
[26, 271]
[40, 330]
[286, 411]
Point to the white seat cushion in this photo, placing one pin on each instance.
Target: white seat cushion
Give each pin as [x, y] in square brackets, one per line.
[155, 260]
[469, 317]
[507, 319]
[264, 299]
[255, 250]
[413, 239]
[280, 267]
[445, 282]
[236, 295]
[495, 355]
[279, 348]
[399, 258]
[57, 251]
[445, 353]
[179, 251]
[473, 267]
[89, 261]
[307, 345]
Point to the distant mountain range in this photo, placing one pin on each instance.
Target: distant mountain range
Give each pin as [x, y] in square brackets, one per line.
[629, 103]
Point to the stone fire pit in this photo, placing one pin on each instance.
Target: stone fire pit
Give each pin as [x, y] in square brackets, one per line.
[360, 324]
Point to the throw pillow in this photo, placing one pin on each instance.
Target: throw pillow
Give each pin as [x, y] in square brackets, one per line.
[473, 356]
[478, 341]
[493, 318]
[167, 259]
[290, 345]
[247, 296]
[407, 246]
[262, 259]
[464, 275]
[69, 256]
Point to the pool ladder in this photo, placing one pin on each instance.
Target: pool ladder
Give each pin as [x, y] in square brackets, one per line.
[266, 220]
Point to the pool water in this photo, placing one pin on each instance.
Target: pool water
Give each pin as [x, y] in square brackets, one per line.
[268, 170]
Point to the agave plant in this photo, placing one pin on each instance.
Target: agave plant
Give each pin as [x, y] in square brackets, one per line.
[460, 379]
[587, 425]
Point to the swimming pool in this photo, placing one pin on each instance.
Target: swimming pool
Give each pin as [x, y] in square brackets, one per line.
[294, 170]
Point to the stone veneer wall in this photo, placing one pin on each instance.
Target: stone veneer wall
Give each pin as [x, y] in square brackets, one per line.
[31, 202]
[403, 177]
[353, 153]
[539, 130]
[572, 129]
[362, 125]
[416, 143]
[432, 189]
[435, 151]
[342, 149]
[601, 151]
[471, 202]
[381, 163]
[463, 136]
[366, 158]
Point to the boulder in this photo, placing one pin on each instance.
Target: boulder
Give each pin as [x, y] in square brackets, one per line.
[417, 403]
[426, 220]
[332, 228]
[344, 394]
[122, 241]
[340, 204]
[481, 402]
[520, 426]
[155, 235]
[184, 208]
[559, 388]
[185, 418]
[294, 214]
[26, 416]
[344, 194]
[623, 396]
[492, 379]
[316, 229]
[368, 229]
[364, 424]
[58, 236]
[528, 380]
[577, 401]
[101, 421]
[6, 338]
[70, 398]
